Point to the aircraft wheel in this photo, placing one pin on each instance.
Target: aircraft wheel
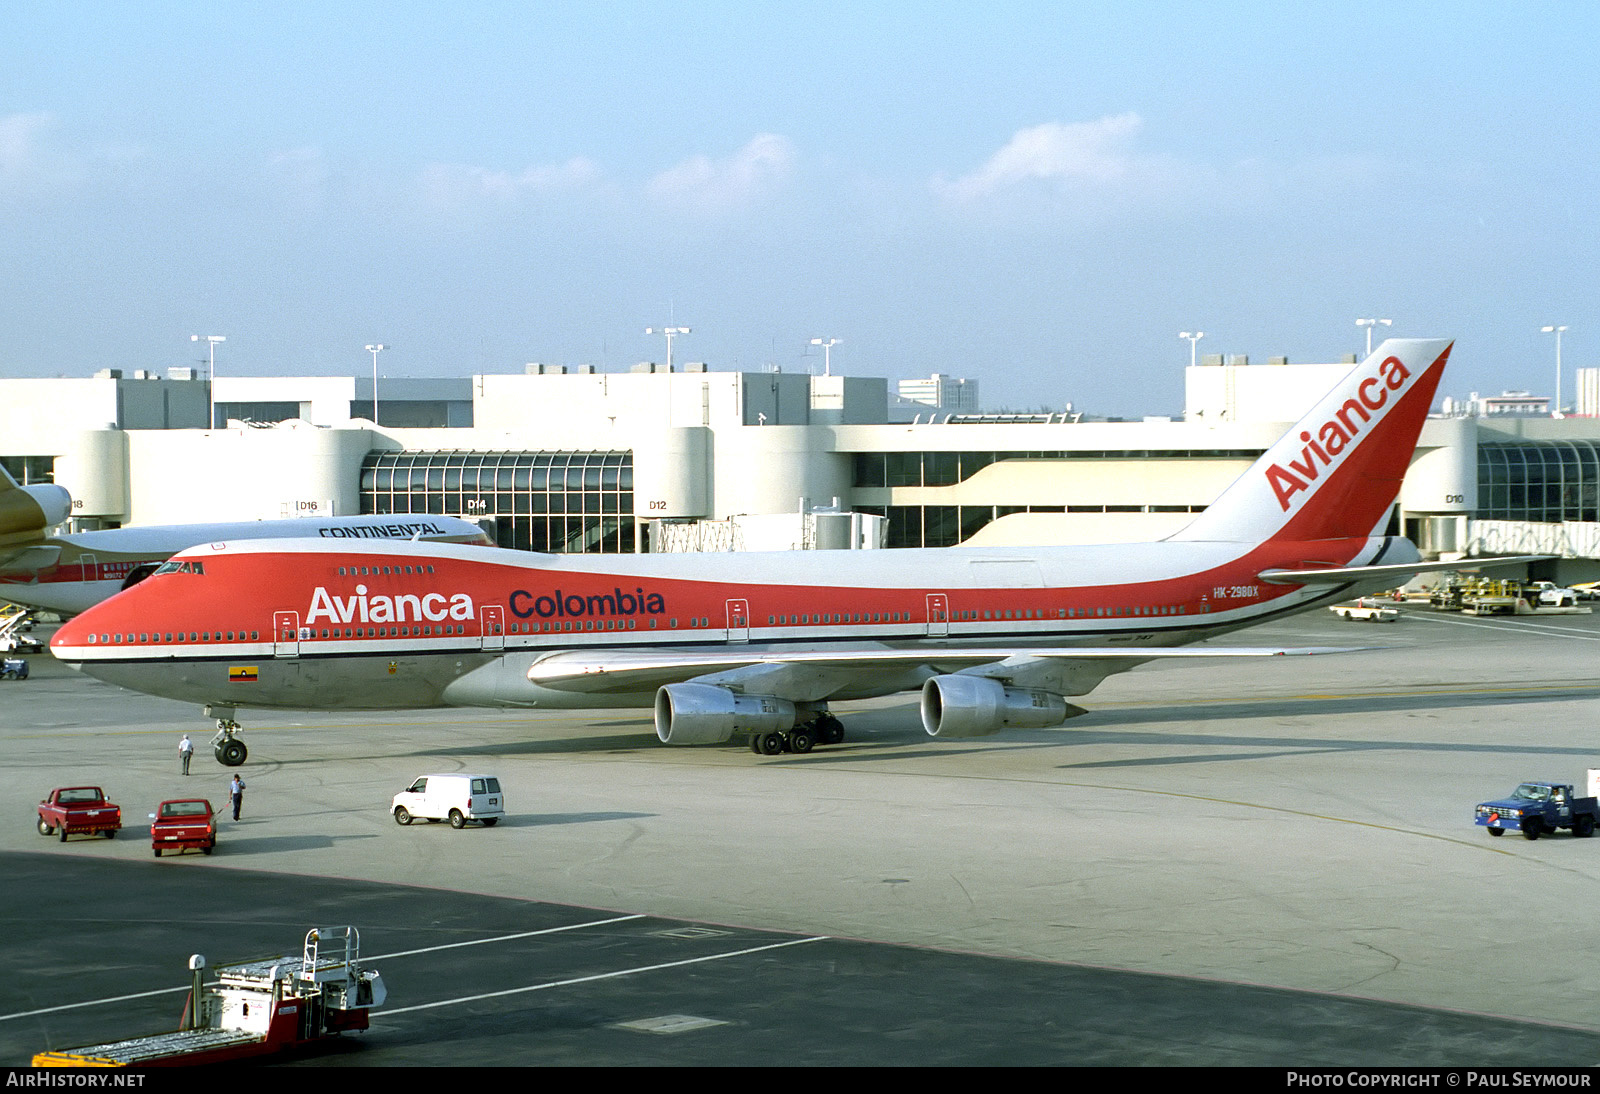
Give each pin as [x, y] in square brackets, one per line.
[1497, 831]
[456, 819]
[402, 815]
[232, 752]
[771, 743]
[830, 731]
[755, 743]
[800, 741]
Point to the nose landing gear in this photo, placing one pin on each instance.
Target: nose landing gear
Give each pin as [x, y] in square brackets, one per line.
[228, 748]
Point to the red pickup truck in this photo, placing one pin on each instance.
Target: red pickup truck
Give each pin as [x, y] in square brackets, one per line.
[79, 811]
[181, 824]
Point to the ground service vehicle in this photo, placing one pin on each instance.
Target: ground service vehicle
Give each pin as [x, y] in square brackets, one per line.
[1538, 808]
[79, 811]
[13, 668]
[254, 1009]
[180, 824]
[456, 798]
[1366, 609]
[1547, 594]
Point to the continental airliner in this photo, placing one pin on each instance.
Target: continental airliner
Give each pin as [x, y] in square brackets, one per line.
[71, 573]
[758, 645]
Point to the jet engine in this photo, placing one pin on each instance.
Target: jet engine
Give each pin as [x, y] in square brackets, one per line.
[976, 706]
[704, 714]
[27, 511]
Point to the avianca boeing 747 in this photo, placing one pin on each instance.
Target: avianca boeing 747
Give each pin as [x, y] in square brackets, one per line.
[759, 644]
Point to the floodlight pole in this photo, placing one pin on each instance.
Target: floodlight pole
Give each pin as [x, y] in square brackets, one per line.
[375, 349]
[1193, 338]
[211, 374]
[669, 332]
[1369, 324]
[1555, 411]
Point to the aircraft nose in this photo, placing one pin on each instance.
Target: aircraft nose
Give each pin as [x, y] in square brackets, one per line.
[74, 634]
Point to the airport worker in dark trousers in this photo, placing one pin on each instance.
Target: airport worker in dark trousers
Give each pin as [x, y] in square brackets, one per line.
[236, 794]
[185, 752]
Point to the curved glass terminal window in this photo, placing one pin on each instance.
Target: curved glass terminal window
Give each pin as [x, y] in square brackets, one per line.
[561, 502]
[1549, 481]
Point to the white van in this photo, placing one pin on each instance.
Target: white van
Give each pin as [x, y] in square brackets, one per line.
[456, 798]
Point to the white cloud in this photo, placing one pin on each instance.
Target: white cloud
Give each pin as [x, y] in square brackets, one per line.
[707, 185]
[1095, 153]
[451, 185]
[19, 144]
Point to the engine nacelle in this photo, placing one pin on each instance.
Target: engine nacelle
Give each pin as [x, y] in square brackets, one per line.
[27, 511]
[704, 714]
[976, 706]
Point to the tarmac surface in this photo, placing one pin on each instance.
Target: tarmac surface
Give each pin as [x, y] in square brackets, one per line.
[1249, 863]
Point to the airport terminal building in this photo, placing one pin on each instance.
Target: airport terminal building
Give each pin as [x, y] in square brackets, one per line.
[552, 459]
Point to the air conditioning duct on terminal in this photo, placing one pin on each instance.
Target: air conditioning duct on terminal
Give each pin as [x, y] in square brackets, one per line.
[976, 706]
[704, 714]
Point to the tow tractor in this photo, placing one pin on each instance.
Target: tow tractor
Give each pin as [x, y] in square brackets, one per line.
[254, 1009]
[13, 621]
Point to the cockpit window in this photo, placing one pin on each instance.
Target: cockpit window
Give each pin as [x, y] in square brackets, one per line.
[176, 566]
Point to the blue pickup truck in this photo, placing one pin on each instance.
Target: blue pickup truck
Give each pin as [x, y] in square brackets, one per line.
[1537, 808]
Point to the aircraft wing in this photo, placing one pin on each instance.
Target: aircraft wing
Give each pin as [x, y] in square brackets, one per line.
[816, 673]
[1338, 575]
[28, 560]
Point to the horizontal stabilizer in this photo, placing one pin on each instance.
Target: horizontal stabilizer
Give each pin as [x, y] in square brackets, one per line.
[1339, 575]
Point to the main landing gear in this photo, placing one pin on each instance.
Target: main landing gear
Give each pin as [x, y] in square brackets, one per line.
[824, 729]
[229, 749]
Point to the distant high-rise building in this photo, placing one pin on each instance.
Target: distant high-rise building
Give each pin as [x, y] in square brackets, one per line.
[938, 393]
[1587, 402]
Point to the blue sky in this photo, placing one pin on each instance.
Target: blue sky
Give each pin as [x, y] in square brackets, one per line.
[1040, 196]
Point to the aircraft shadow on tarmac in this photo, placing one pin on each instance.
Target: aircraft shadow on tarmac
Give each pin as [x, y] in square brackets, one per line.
[883, 731]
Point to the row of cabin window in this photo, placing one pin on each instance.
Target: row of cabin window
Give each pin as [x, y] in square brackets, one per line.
[202, 636]
[310, 633]
[602, 625]
[1030, 613]
[375, 571]
[837, 617]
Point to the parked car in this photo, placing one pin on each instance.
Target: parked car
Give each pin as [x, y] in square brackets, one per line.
[1368, 609]
[79, 811]
[181, 824]
[455, 798]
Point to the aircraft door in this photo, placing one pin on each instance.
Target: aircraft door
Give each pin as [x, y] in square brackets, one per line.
[938, 615]
[494, 626]
[738, 621]
[286, 634]
[88, 567]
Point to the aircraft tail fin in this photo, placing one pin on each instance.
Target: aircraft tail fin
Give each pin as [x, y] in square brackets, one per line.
[1336, 473]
